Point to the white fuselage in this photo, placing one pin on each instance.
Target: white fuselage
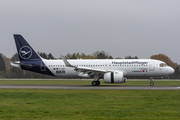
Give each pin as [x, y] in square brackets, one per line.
[129, 67]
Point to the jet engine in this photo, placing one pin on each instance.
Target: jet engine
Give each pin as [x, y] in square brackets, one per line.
[114, 77]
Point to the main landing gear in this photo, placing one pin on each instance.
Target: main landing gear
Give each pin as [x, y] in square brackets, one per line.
[96, 81]
[151, 82]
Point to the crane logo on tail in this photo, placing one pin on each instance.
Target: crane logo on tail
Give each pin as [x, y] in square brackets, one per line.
[25, 52]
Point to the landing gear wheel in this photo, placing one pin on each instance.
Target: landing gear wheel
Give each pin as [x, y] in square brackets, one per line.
[98, 83]
[94, 83]
[152, 84]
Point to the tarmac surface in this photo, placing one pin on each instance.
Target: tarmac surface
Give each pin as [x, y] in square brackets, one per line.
[89, 87]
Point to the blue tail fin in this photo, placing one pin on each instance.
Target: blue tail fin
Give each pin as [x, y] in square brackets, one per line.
[29, 59]
[25, 51]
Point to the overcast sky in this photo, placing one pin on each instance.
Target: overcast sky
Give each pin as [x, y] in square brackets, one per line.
[119, 27]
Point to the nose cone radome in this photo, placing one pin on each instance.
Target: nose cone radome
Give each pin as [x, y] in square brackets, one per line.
[171, 70]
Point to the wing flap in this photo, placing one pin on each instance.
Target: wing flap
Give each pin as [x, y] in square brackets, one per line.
[87, 69]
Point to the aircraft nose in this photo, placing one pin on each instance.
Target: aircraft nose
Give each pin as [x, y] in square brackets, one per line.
[171, 70]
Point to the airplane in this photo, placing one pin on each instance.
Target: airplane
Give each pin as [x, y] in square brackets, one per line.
[110, 70]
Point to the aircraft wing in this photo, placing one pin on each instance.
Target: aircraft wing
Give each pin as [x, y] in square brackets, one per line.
[88, 70]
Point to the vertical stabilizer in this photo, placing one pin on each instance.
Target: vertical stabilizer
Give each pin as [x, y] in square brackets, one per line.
[29, 59]
[24, 50]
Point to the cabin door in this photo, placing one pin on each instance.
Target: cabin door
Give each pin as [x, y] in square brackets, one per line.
[151, 65]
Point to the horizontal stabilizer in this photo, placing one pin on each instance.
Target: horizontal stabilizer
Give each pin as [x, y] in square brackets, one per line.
[18, 65]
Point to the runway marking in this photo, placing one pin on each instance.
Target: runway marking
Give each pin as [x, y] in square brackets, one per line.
[178, 87]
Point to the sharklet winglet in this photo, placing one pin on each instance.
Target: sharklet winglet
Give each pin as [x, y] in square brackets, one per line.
[66, 62]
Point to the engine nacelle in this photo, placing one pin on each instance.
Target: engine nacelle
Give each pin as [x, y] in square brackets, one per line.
[114, 77]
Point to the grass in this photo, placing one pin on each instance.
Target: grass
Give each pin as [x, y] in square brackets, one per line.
[88, 104]
[130, 82]
[49, 104]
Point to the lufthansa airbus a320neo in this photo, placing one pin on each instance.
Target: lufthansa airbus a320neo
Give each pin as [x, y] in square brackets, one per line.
[111, 70]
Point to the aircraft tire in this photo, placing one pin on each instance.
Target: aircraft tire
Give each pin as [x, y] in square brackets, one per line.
[151, 84]
[98, 83]
[94, 83]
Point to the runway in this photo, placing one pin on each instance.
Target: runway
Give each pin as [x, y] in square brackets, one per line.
[89, 87]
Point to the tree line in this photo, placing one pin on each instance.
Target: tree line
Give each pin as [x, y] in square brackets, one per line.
[6, 71]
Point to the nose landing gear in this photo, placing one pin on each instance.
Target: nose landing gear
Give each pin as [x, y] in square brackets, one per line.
[151, 82]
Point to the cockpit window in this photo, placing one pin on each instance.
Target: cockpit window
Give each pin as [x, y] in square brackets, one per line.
[163, 65]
